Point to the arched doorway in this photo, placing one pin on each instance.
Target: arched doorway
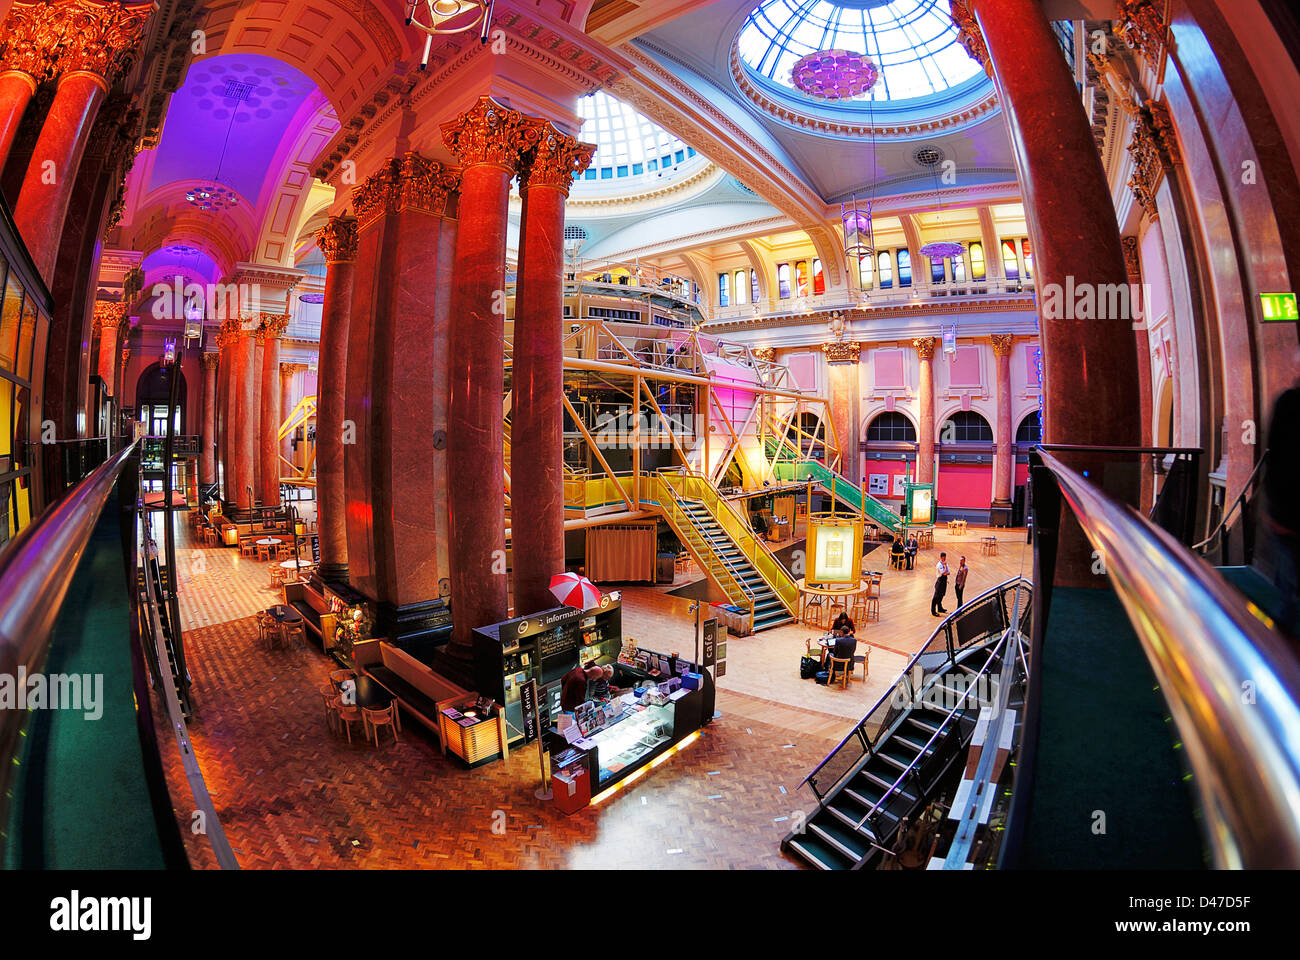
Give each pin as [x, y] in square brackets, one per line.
[153, 399]
[890, 451]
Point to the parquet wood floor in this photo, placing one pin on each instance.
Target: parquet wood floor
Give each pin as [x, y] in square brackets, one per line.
[292, 794]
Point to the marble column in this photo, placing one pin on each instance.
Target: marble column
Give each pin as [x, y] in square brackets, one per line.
[487, 140]
[228, 342]
[537, 422]
[845, 393]
[90, 58]
[338, 242]
[925, 404]
[107, 320]
[207, 440]
[259, 342]
[269, 333]
[1003, 460]
[1090, 384]
[247, 414]
[288, 401]
[16, 89]
[396, 378]
[1142, 348]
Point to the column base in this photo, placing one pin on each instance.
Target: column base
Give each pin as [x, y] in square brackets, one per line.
[417, 628]
[332, 574]
[456, 665]
[1000, 513]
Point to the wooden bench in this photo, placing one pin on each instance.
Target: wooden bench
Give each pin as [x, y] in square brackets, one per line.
[424, 694]
[315, 610]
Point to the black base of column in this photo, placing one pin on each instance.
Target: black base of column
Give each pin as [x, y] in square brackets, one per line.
[416, 628]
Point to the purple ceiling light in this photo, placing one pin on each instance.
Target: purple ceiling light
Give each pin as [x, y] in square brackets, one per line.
[834, 74]
[938, 249]
[212, 196]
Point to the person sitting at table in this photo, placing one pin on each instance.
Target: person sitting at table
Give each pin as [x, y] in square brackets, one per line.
[897, 552]
[842, 621]
[846, 644]
[912, 547]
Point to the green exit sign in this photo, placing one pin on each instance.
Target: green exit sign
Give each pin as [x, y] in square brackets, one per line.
[1278, 307]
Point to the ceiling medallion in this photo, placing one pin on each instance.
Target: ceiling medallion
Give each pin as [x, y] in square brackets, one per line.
[834, 74]
[212, 196]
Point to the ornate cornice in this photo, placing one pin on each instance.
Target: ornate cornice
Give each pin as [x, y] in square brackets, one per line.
[489, 134]
[409, 181]
[556, 159]
[969, 33]
[1155, 151]
[925, 347]
[338, 239]
[826, 125]
[927, 308]
[1002, 343]
[842, 351]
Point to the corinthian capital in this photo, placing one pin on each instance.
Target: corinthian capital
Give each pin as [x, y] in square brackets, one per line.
[229, 334]
[969, 33]
[271, 325]
[100, 38]
[406, 182]
[490, 134]
[925, 347]
[1002, 344]
[338, 239]
[556, 160]
[30, 34]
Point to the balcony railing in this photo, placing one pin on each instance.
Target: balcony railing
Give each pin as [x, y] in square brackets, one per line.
[869, 299]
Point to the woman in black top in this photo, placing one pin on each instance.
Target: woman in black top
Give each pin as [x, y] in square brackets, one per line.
[843, 620]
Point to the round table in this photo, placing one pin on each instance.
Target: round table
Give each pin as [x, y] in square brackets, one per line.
[295, 564]
[269, 542]
[849, 594]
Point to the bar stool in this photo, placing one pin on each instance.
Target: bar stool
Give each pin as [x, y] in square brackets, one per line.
[375, 717]
[871, 605]
[277, 575]
[266, 628]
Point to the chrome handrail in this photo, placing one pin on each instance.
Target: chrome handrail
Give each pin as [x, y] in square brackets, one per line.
[1241, 497]
[1232, 685]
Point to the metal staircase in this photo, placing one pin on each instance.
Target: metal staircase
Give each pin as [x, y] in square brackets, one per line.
[790, 465]
[768, 609]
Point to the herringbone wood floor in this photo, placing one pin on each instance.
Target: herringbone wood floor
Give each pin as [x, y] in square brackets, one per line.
[292, 794]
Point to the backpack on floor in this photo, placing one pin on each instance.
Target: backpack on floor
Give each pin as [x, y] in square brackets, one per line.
[823, 677]
[808, 667]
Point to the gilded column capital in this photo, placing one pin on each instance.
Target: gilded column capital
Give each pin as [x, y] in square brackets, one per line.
[1002, 343]
[1141, 24]
[1132, 261]
[338, 239]
[271, 325]
[108, 315]
[842, 351]
[556, 160]
[490, 134]
[925, 347]
[211, 359]
[229, 333]
[767, 354]
[406, 182]
[287, 370]
[100, 38]
[30, 34]
[969, 33]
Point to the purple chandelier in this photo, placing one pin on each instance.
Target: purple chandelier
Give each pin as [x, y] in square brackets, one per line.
[834, 74]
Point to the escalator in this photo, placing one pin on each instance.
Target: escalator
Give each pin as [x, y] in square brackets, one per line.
[907, 751]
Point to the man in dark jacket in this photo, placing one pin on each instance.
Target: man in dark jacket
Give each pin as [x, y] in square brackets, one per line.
[1282, 503]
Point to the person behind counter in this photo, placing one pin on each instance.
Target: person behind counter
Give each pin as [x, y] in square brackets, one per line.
[573, 687]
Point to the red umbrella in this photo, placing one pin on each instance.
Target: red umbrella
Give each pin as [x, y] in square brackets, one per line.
[573, 590]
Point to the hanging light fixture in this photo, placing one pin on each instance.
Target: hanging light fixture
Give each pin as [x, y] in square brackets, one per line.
[859, 235]
[938, 249]
[834, 74]
[209, 195]
[445, 17]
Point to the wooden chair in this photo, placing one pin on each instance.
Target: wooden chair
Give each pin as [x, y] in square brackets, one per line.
[845, 668]
[681, 563]
[328, 695]
[820, 654]
[263, 551]
[247, 548]
[284, 551]
[277, 575]
[289, 630]
[897, 561]
[376, 717]
[989, 546]
[266, 626]
[348, 714]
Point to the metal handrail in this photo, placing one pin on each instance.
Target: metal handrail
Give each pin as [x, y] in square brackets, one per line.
[1241, 498]
[688, 524]
[943, 724]
[1206, 649]
[965, 608]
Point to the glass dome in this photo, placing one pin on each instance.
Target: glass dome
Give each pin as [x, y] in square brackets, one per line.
[627, 144]
[914, 42]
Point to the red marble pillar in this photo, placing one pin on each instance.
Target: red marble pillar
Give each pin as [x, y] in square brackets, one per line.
[842, 369]
[227, 340]
[243, 434]
[16, 89]
[396, 370]
[107, 316]
[1003, 463]
[268, 440]
[207, 439]
[338, 242]
[287, 404]
[488, 140]
[47, 188]
[537, 422]
[1090, 382]
[258, 344]
[925, 403]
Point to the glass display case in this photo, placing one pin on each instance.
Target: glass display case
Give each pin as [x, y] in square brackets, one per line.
[628, 741]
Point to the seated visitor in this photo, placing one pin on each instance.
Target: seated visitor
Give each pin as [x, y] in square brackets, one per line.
[912, 547]
[843, 620]
[846, 644]
[897, 550]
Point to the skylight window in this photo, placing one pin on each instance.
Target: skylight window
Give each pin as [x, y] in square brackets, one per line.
[627, 144]
[914, 42]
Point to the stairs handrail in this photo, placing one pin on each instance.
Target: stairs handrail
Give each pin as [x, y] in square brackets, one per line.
[1204, 546]
[727, 568]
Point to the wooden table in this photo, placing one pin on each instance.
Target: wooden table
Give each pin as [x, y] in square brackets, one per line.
[989, 546]
[850, 595]
[957, 526]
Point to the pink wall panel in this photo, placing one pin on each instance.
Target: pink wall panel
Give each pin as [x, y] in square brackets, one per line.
[803, 368]
[964, 370]
[1022, 474]
[887, 365]
[965, 485]
[894, 468]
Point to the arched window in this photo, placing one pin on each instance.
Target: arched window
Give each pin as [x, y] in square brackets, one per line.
[904, 268]
[967, 426]
[976, 261]
[886, 270]
[742, 287]
[891, 427]
[783, 280]
[1030, 429]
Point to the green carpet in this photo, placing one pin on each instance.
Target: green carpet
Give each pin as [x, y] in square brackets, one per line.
[80, 799]
[1254, 587]
[1106, 750]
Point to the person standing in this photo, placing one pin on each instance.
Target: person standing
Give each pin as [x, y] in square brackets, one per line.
[940, 586]
[1282, 512]
[959, 583]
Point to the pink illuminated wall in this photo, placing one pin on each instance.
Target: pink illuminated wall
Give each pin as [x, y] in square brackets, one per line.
[968, 485]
